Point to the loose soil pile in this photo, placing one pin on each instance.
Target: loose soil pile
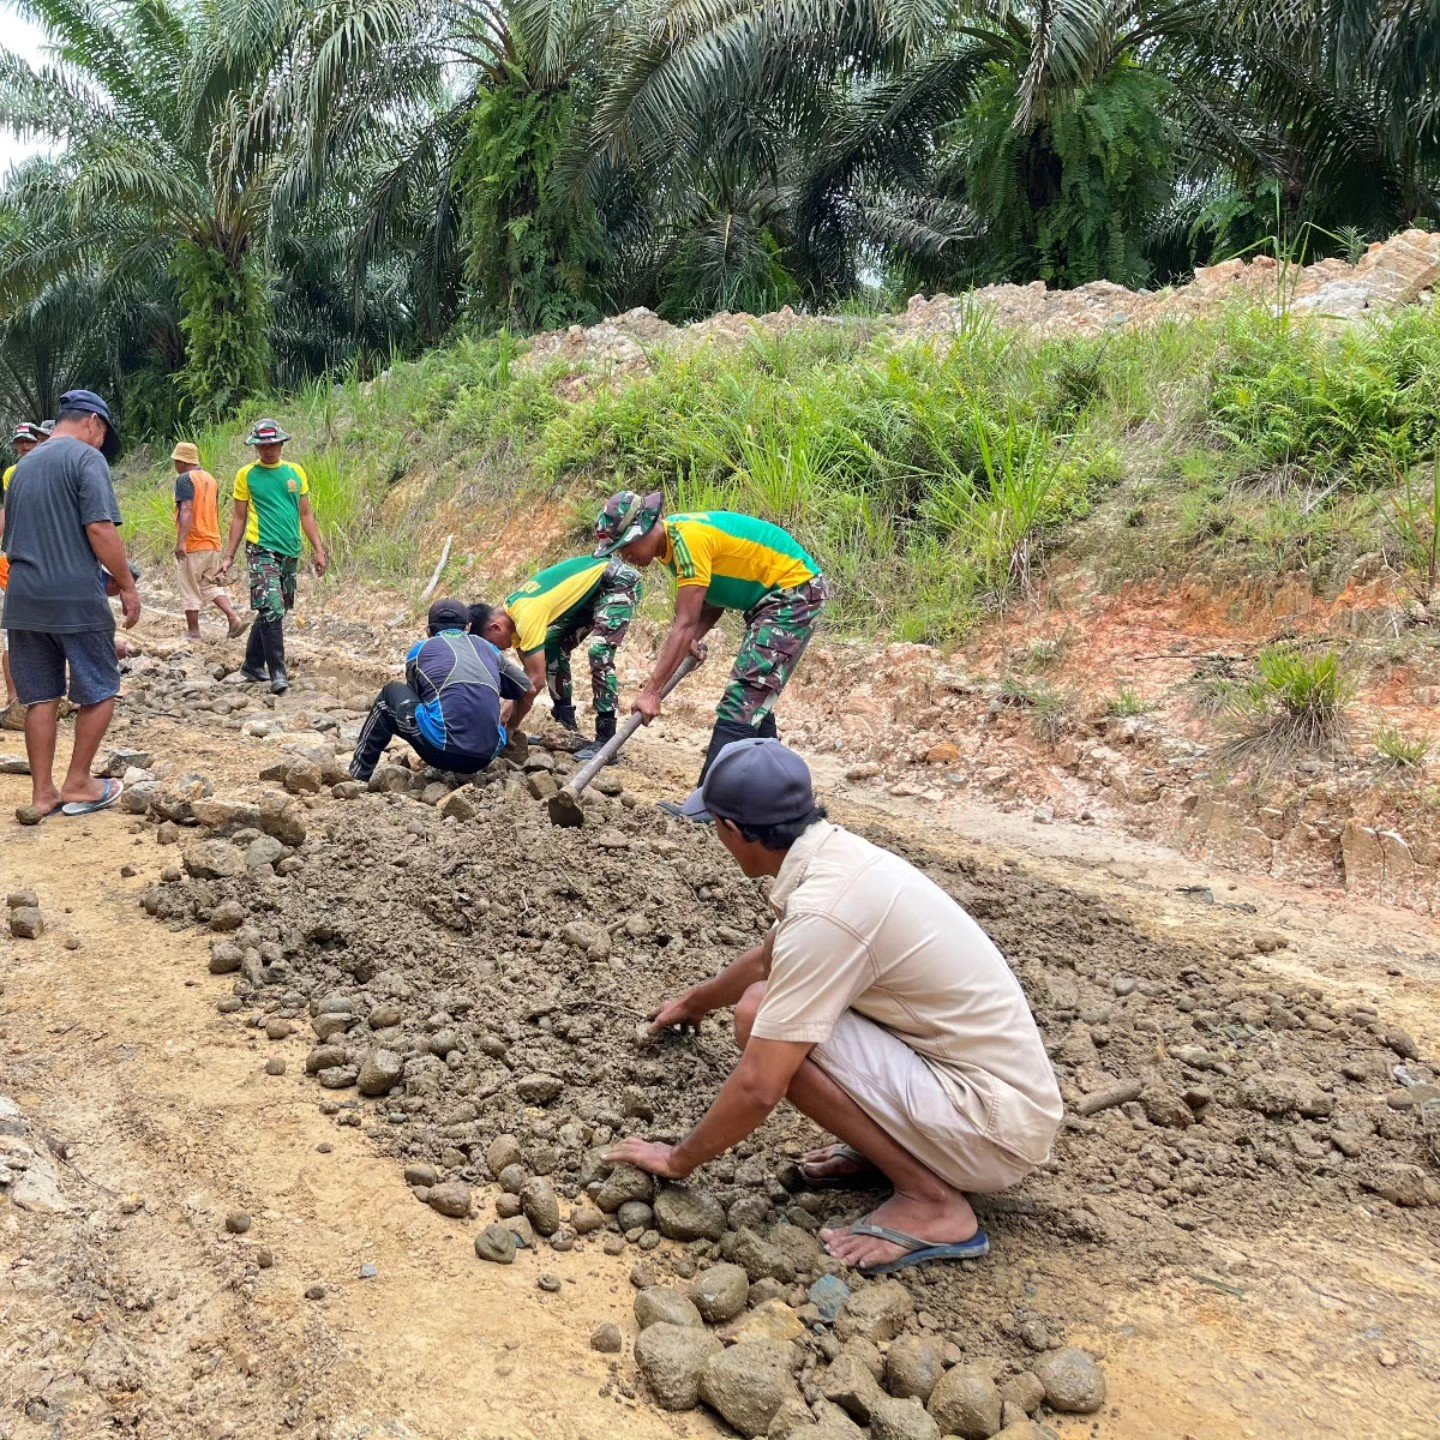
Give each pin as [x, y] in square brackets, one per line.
[482, 977]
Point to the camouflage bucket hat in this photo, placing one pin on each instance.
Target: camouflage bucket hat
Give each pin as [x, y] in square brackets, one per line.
[626, 517]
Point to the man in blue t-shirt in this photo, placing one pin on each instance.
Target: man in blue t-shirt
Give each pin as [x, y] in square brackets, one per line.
[448, 708]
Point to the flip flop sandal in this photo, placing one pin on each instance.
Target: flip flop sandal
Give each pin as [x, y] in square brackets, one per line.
[113, 790]
[917, 1251]
[860, 1181]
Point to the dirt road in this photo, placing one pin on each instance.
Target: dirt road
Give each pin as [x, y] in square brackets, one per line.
[132, 1310]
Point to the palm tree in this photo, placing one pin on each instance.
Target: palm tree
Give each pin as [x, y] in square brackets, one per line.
[187, 132]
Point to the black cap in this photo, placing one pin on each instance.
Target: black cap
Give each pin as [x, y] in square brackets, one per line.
[756, 781]
[449, 615]
[91, 404]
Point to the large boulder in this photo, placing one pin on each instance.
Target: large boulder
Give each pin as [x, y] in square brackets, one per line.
[671, 1358]
[748, 1383]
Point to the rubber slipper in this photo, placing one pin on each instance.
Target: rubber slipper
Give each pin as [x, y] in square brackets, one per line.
[113, 790]
[858, 1181]
[917, 1251]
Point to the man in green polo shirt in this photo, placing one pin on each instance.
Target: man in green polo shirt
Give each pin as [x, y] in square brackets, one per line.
[546, 618]
[272, 511]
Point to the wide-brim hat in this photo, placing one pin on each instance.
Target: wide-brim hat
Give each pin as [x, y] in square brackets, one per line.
[626, 517]
[267, 432]
[185, 453]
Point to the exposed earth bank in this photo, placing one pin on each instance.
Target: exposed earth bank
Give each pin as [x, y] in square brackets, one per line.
[281, 1057]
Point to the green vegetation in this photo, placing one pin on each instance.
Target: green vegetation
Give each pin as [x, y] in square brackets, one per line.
[252, 194]
[1399, 750]
[1125, 703]
[1294, 706]
[934, 484]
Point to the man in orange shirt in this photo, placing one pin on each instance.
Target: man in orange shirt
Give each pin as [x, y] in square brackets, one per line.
[197, 541]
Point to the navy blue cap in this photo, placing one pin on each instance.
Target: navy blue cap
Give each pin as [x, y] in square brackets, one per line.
[449, 615]
[756, 781]
[91, 404]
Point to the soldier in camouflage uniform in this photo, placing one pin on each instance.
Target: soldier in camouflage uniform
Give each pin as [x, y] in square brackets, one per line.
[549, 616]
[721, 561]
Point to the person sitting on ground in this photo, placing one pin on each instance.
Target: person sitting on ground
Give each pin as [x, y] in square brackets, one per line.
[448, 708]
[880, 1009]
[721, 562]
[63, 542]
[27, 437]
[549, 616]
[197, 542]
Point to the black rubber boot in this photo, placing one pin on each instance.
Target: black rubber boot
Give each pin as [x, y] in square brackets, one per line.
[274, 637]
[604, 732]
[565, 715]
[723, 733]
[254, 667]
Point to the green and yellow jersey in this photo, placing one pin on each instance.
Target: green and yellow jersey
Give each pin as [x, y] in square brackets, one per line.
[554, 599]
[273, 493]
[737, 558]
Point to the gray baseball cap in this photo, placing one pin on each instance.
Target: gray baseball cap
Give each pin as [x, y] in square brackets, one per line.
[756, 781]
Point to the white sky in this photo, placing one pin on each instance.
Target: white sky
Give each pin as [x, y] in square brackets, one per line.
[24, 38]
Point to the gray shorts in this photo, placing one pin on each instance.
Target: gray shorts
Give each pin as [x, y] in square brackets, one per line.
[38, 662]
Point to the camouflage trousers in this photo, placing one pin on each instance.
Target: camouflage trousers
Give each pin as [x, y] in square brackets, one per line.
[606, 622]
[272, 582]
[777, 631]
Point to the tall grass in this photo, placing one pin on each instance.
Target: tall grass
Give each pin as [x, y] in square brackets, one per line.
[932, 481]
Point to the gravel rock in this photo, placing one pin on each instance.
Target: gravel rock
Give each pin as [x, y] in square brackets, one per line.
[283, 818]
[770, 1320]
[624, 1182]
[450, 1197]
[418, 1172]
[26, 923]
[671, 1359]
[660, 1305]
[380, 1071]
[828, 1295]
[497, 1244]
[759, 1259]
[902, 1419]
[683, 1213]
[1073, 1381]
[875, 1313]
[503, 1151]
[213, 860]
[607, 1339]
[1023, 1391]
[227, 915]
[914, 1366]
[540, 1204]
[634, 1215]
[275, 1066]
[586, 1219]
[263, 850]
[226, 957]
[538, 1089]
[848, 1383]
[720, 1292]
[1286, 1092]
[237, 1222]
[21, 900]
[748, 1383]
[967, 1402]
[33, 814]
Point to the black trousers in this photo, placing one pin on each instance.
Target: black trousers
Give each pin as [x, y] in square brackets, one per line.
[392, 714]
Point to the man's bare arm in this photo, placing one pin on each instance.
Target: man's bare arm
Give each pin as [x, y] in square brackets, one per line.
[109, 550]
[311, 527]
[684, 634]
[238, 516]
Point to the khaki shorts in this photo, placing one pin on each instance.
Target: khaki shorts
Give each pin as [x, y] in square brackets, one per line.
[904, 1096]
[195, 575]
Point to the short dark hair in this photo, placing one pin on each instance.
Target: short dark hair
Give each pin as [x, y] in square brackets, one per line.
[780, 837]
[76, 415]
[480, 617]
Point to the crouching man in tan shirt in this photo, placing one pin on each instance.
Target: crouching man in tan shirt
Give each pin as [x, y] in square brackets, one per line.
[881, 1010]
